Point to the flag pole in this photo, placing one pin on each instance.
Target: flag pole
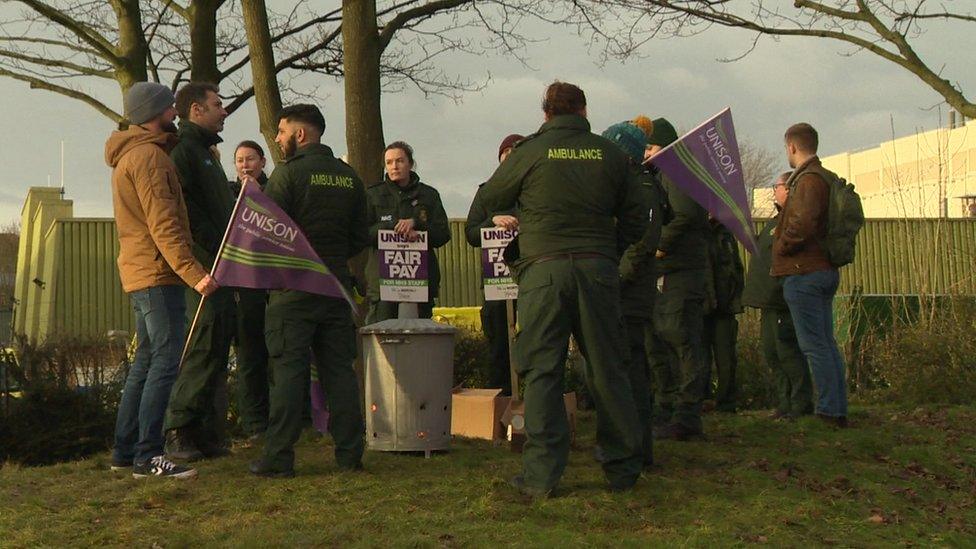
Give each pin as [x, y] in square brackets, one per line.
[213, 269]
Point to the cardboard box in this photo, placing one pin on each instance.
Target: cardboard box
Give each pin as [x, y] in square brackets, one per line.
[517, 411]
[477, 413]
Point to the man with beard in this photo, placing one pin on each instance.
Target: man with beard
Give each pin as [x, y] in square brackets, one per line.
[155, 261]
[326, 198]
[192, 425]
[810, 278]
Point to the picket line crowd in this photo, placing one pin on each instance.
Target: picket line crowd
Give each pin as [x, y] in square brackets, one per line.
[610, 251]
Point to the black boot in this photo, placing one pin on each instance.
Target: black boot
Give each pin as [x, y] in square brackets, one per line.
[180, 446]
[206, 441]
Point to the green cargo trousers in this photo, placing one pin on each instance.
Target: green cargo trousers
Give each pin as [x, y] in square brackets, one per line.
[638, 330]
[294, 323]
[786, 360]
[252, 360]
[677, 365]
[191, 404]
[721, 330]
[494, 324]
[579, 296]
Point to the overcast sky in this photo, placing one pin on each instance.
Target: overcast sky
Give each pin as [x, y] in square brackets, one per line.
[850, 99]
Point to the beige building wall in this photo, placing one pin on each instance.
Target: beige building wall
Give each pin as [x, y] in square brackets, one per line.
[929, 174]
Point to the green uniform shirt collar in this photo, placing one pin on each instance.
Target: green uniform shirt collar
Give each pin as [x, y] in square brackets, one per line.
[192, 131]
[312, 149]
[566, 122]
[414, 181]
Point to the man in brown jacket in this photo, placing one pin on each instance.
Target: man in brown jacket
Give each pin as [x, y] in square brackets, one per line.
[155, 261]
[810, 280]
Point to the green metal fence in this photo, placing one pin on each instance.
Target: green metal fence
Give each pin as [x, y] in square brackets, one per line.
[894, 256]
[83, 296]
[89, 300]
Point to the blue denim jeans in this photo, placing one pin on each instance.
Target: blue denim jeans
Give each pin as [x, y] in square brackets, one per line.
[160, 333]
[811, 301]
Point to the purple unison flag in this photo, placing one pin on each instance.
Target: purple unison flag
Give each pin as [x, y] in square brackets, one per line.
[265, 249]
[705, 164]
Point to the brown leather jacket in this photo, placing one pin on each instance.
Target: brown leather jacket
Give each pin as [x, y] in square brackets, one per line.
[803, 223]
[150, 215]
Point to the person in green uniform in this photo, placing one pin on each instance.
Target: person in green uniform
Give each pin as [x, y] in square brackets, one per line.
[721, 327]
[579, 204]
[252, 353]
[326, 198]
[675, 350]
[193, 428]
[402, 203]
[778, 336]
[637, 280]
[494, 314]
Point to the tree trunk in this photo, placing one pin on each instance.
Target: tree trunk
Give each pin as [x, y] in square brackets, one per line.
[203, 41]
[132, 48]
[361, 67]
[267, 94]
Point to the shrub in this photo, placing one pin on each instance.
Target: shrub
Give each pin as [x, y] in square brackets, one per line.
[69, 394]
[470, 358]
[756, 383]
[928, 359]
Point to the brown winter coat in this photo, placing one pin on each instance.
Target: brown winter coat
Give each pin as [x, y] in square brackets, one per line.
[150, 216]
[803, 223]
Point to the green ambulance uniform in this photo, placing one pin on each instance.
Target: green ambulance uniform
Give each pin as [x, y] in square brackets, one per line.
[494, 314]
[252, 353]
[778, 336]
[675, 352]
[209, 203]
[326, 198]
[387, 203]
[637, 291]
[576, 197]
[721, 327]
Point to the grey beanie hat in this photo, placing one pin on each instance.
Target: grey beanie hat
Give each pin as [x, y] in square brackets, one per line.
[145, 100]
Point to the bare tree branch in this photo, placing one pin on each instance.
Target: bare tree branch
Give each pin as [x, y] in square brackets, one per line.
[84, 32]
[37, 84]
[875, 26]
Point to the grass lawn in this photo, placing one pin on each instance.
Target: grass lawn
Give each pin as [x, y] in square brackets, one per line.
[897, 477]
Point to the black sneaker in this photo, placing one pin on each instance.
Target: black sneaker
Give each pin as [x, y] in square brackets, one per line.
[159, 466]
[121, 464]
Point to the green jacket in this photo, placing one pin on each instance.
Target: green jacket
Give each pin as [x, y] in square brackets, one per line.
[235, 184]
[209, 201]
[574, 190]
[726, 269]
[480, 217]
[762, 290]
[684, 239]
[637, 274]
[328, 201]
[387, 203]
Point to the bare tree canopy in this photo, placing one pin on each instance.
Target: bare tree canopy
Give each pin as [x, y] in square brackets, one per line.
[760, 166]
[64, 46]
[886, 28]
